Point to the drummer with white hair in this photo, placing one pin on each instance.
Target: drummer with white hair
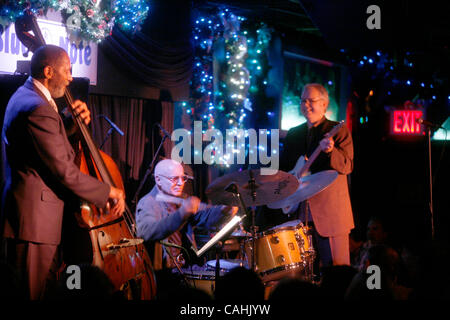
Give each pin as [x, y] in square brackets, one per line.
[166, 215]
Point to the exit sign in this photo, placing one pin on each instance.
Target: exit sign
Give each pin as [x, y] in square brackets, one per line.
[404, 122]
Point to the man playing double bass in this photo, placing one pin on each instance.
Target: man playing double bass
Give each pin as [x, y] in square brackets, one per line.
[41, 173]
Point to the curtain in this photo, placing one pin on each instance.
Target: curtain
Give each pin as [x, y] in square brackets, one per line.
[157, 64]
[167, 123]
[133, 151]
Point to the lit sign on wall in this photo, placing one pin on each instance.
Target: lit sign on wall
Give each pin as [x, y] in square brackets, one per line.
[82, 57]
[404, 122]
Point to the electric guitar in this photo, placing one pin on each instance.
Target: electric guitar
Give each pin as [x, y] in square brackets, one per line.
[304, 163]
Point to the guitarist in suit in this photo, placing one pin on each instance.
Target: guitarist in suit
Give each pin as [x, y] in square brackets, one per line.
[328, 212]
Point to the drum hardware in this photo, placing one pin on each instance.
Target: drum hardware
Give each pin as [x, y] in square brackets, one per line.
[254, 189]
[201, 279]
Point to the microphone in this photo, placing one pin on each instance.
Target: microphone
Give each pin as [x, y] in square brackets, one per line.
[163, 130]
[113, 125]
[428, 123]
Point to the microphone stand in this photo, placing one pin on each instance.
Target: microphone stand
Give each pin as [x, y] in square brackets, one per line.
[431, 182]
[106, 137]
[148, 172]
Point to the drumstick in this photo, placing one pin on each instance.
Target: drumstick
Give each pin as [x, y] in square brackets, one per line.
[179, 201]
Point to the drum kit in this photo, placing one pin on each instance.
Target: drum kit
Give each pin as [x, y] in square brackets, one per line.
[284, 250]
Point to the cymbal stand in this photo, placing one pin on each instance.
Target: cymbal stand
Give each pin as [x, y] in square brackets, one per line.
[310, 255]
[232, 187]
[252, 185]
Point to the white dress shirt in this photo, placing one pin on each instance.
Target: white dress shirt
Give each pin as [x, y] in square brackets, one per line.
[46, 93]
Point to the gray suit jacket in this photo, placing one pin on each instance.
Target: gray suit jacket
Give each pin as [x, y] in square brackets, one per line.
[40, 170]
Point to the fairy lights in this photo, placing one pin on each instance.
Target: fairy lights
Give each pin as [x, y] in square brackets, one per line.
[90, 20]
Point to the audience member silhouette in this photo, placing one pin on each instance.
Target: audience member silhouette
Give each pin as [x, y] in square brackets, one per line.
[239, 284]
[376, 234]
[388, 261]
[336, 280]
[94, 284]
[293, 289]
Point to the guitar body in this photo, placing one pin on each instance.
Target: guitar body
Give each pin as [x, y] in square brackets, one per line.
[298, 168]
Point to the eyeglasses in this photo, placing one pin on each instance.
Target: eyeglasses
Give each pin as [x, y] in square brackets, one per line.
[176, 179]
[304, 101]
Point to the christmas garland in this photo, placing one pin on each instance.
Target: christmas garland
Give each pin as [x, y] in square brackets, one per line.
[90, 20]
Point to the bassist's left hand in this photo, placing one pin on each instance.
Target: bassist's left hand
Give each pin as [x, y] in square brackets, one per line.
[80, 108]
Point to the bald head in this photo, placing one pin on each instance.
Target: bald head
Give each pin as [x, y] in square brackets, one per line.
[47, 55]
[168, 167]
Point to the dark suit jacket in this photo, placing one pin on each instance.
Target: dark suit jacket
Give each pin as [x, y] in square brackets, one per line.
[40, 170]
[330, 209]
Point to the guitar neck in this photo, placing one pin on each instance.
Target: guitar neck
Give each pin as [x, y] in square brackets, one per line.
[317, 151]
[310, 161]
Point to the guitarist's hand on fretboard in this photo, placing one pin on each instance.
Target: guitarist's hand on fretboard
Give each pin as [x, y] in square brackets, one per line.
[327, 144]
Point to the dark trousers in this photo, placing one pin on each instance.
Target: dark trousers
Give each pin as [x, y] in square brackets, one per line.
[36, 264]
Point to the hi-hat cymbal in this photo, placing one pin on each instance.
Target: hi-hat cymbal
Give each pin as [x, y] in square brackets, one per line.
[240, 234]
[309, 186]
[268, 188]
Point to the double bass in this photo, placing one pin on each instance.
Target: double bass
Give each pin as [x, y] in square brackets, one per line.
[114, 246]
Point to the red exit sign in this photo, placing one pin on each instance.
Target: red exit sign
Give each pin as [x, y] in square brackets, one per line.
[405, 122]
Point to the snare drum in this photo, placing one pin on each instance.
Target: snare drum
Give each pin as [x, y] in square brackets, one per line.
[225, 264]
[280, 251]
[201, 279]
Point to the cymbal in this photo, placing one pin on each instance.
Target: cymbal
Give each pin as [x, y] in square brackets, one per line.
[268, 188]
[309, 186]
[240, 234]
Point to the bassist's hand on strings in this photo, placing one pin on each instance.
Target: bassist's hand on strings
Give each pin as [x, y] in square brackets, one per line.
[116, 202]
[80, 109]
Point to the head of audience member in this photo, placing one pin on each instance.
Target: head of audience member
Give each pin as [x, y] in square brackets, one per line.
[387, 259]
[376, 231]
[293, 288]
[169, 177]
[94, 285]
[336, 279]
[388, 262]
[239, 284]
[314, 103]
[51, 66]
